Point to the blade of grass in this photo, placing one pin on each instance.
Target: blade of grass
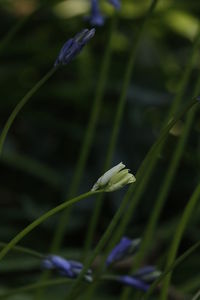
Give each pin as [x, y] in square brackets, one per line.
[107, 234]
[143, 174]
[117, 124]
[164, 190]
[177, 238]
[41, 219]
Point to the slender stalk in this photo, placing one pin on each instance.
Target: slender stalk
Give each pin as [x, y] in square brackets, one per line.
[178, 261]
[117, 123]
[129, 210]
[144, 171]
[24, 250]
[164, 190]
[196, 296]
[107, 234]
[88, 139]
[41, 219]
[21, 104]
[178, 236]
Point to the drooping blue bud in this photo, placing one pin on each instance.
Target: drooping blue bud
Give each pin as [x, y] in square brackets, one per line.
[73, 47]
[67, 268]
[124, 248]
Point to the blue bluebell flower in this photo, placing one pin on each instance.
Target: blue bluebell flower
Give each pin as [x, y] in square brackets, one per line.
[95, 18]
[73, 46]
[141, 279]
[67, 268]
[124, 248]
[115, 3]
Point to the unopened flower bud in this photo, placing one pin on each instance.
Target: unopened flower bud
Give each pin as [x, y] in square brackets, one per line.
[114, 179]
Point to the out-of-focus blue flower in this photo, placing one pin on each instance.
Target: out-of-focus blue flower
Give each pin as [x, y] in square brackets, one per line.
[95, 18]
[141, 279]
[124, 248]
[115, 3]
[134, 282]
[73, 46]
[68, 268]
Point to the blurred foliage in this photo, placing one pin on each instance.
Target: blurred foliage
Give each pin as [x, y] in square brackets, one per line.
[43, 145]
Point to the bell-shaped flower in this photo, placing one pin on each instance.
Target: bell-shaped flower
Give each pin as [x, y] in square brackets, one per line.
[114, 179]
[74, 46]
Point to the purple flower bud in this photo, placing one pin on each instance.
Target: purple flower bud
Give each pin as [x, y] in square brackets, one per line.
[95, 18]
[115, 3]
[68, 268]
[124, 248]
[147, 274]
[73, 46]
[141, 279]
[134, 282]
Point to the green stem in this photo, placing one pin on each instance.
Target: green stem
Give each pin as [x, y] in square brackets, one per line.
[164, 190]
[117, 124]
[88, 139]
[196, 296]
[178, 261]
[177, 238]
[144, 171]
[41, 219]
[24, 250]
[20, 105]
[138, 190]
[107, 234]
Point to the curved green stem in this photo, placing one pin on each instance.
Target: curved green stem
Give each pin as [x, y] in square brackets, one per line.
[178, 236]
[117, 123]
[41, 219]
[20, 105]
[145, 169]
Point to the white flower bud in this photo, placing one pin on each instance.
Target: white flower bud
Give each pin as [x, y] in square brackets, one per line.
[114, 179]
